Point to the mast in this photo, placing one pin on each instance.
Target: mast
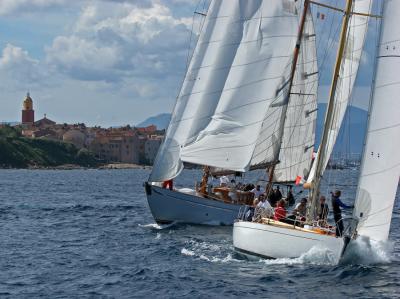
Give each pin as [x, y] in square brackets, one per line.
[329, 113]
[271, 170]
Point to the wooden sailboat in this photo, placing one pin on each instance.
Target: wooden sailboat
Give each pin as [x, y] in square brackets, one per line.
[248, 102]
[380, 168]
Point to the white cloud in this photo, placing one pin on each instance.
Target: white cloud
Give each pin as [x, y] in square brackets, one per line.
[17, 66]
[122, 42]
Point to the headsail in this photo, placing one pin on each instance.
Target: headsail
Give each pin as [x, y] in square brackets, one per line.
[380, 168]
[258, 43]
[357, 31]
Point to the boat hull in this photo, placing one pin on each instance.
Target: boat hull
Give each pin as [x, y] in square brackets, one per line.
[270, 241]
[169, 206]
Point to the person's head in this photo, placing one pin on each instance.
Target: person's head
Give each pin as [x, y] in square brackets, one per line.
[261, 197]
[281, 203]
[233, 181]
[255, 202]
[337, 193]
[303, 201]
[258, 187]
[277, 188]
[322, 199]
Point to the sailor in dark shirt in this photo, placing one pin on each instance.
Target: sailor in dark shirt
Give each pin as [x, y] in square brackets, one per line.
[337, 212]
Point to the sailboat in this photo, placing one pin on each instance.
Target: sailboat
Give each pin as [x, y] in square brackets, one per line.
[380, 167]
[248, 102]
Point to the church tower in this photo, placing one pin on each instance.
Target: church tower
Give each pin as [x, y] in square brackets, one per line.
[28, 114]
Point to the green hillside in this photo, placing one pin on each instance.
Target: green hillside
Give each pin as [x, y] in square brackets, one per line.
[20, 152]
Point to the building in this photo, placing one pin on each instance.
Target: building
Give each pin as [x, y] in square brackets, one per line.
[151, 146]
[44, 123]
[28, 114]
[116, 145]
[75, 137]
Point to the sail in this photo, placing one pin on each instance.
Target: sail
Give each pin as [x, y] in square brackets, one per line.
[380, 169]
[197, 100]
[357, 32]
[253, 53]
[299, 130]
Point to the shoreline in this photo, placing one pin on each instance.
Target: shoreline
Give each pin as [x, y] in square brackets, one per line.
[118, 166]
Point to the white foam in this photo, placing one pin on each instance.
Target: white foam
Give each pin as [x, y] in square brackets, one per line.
[207, 252]
[156, 225]
[315, 256]
[363, 251]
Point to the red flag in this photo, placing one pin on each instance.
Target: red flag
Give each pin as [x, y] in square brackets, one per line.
[298, 180]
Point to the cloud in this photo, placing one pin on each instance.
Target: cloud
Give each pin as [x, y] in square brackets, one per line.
[123, 43]
[17, 66]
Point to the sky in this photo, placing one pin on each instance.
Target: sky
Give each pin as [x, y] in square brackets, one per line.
[115, 62]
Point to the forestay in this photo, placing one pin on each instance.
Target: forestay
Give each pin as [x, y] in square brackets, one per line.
[354, 46]
[380, 168]
[252, 60]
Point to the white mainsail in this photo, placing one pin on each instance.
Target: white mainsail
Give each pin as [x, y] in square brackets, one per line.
[354, 47]
[297, 144]
[259, 42]
[380, 169]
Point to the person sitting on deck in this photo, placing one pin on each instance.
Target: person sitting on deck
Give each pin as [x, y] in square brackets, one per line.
[280, 211]
[278, 193]
[301, 208]
[257, 191]
[263, 208]
[232, 191]
[337, 212]
[290, 200]
[323, 212]
[223, 181]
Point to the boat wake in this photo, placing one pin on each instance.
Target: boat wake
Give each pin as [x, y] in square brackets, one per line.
[367, 252]
[207, 252]
[157, 226]
[315, 256]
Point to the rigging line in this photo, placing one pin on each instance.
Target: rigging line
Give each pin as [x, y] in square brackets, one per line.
[385, 128]
[389, 207]
[381, 171]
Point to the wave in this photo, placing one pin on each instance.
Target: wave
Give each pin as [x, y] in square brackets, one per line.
[157, 226]
[315, 256]
[208, 252]
[364, 251]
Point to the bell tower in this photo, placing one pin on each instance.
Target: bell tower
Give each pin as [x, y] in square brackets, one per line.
[28, 114]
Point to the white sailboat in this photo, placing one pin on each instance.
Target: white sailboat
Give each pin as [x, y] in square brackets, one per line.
[245, 104]
[380, 168]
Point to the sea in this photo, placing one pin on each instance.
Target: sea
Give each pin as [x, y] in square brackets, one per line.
[90, 234]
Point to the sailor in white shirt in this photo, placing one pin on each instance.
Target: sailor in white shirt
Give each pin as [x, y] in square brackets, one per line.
[257, 191]
[264, 207]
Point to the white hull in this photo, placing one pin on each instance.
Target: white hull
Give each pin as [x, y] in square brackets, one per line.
[270, 241]
[172, 206]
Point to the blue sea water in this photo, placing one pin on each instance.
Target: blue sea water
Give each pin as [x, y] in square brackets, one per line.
[89, 234]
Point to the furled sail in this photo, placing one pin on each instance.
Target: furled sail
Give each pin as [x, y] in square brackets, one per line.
[354, 47]
[380, 168]
[254, 52]
[298, 139]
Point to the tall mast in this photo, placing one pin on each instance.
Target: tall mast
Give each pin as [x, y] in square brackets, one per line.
[303, 20]
[329, 113]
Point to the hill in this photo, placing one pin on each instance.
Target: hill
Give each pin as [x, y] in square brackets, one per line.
[354, 126]
[352, 132]
[161, 121]
[20, 152]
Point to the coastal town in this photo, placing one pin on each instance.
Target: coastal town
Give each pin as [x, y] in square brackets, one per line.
[126, 144]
